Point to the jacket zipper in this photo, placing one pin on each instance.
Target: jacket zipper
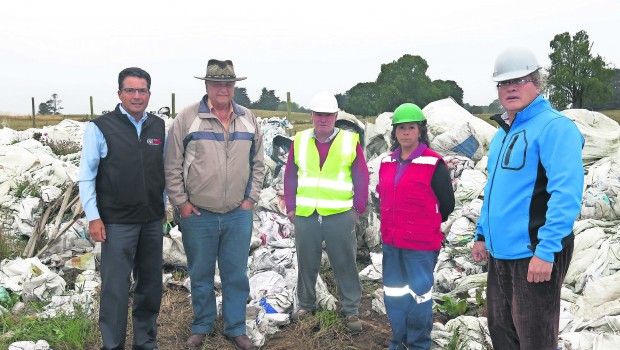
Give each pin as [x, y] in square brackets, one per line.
[140, 150]
[509, 150]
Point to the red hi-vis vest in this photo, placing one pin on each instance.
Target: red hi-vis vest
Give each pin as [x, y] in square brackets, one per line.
[410, 216]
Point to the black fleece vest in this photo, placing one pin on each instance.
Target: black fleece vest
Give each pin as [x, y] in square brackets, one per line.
[130, 179]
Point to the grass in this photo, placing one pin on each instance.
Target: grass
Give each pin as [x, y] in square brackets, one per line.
[300, 121]
[24, 122]
[456, 343]
[64, 332]
[10, 247]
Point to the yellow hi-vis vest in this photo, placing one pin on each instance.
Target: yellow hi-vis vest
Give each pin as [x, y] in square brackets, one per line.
[328, 190]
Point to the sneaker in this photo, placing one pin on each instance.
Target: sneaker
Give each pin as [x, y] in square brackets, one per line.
[353, 323]
[301, 315]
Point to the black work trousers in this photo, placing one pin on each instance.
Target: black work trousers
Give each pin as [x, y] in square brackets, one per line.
[137, 249]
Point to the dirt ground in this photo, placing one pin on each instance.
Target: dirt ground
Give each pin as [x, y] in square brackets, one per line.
[176, 315]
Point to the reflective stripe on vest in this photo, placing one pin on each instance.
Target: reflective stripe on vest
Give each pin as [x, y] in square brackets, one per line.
[402, 291]
[328, 190]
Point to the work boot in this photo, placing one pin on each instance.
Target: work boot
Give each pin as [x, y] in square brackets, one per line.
[301, 315]
[195, 340]
[243, 342]
[353, 323]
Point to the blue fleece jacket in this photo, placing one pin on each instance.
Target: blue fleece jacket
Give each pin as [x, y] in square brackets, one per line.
[534, 191]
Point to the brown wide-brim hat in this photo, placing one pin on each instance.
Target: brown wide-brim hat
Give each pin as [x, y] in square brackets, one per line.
[220, 71]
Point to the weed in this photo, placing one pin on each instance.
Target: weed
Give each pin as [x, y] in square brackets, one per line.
[10, 247]
[64, 332]
[25, 188]
[62, 148]
[452, 308]
[456, 343]
[11, 300]
[327, 318]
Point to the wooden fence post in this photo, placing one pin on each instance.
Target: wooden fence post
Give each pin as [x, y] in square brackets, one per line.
[91, 107]
[288, 106]
[172, 113]
[33, 123]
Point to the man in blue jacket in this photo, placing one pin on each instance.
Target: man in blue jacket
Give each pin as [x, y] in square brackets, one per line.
[531, 200]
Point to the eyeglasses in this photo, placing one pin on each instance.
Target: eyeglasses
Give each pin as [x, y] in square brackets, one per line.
[221, 84]
[517, 82]
[131, 91]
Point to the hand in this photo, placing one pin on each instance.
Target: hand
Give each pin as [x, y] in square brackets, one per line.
[291, 216]
[187, 210]
[479, 251]
[539, 270]
[97, 230]
[246, 204]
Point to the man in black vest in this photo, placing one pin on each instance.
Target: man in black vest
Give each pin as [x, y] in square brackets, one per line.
[121, 184]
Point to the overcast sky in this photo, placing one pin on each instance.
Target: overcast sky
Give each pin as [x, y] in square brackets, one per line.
[76, 48]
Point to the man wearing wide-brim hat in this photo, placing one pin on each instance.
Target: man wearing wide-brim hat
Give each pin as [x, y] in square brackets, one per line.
[214, 173]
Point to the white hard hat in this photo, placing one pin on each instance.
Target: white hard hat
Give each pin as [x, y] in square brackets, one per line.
[324, 102]
[515, 62]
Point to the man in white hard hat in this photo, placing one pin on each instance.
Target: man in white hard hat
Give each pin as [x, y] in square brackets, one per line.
[531, 201]
[325, 190]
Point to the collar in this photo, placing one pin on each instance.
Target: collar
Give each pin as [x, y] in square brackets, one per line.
[415, 154]
[205, 106]
[534, 108]
[212, 109]
[330, 138]
[131, 119]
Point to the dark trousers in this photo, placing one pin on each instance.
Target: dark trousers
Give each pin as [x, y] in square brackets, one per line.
[131, 248]
[525, 315]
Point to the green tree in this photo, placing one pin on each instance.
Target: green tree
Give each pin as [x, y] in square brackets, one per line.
[614, 102]
[267, 100]
[241, 97]
[403, 80]
[362, 99]
[495, 107]
[51, 106]
[294, 107]
[44, 109]
[575, 75]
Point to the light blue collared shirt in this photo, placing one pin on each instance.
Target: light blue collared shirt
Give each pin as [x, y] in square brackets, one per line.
[94, 148]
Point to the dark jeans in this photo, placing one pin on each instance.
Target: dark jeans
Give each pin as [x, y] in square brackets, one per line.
[524, 315]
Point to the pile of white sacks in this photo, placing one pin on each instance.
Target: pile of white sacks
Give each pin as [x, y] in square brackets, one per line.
[590, 317]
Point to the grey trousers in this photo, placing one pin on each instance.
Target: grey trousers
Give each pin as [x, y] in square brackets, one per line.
[338, 232]
[131, 248]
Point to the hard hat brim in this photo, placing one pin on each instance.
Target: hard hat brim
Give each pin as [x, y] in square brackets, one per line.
[513, 74]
